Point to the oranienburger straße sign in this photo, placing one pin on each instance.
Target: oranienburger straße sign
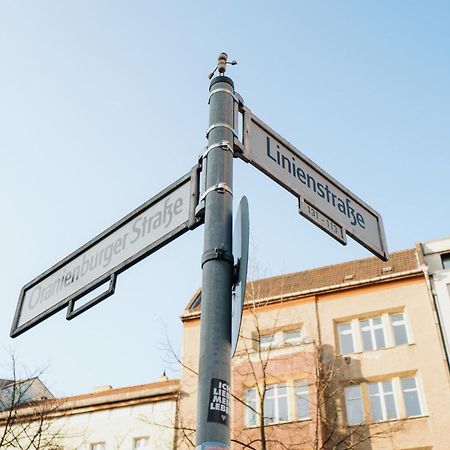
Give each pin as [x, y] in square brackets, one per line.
[153, 224]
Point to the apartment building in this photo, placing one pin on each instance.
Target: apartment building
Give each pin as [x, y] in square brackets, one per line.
[437, 258]
[130, 418]
[344, 356]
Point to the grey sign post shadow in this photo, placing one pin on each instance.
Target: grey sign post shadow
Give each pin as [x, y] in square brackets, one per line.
[145, 230]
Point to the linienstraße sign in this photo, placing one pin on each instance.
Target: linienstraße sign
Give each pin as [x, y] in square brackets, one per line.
[146, 229]
[281, 161]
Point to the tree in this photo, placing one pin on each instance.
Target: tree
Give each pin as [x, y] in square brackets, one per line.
[262, 365]
[26, 410]
[316, 376]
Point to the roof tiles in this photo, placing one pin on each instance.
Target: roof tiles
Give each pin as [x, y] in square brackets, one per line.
[331, 277]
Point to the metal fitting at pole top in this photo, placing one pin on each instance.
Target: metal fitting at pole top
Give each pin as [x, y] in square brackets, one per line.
[222, 63]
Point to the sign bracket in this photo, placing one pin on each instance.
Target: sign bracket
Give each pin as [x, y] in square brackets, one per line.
[72, 312]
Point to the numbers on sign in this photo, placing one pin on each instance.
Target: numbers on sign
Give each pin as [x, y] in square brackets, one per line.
[314, 213]
[323, 220]
[333, 227]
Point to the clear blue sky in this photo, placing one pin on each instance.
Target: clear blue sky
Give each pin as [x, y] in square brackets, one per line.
[104, 103]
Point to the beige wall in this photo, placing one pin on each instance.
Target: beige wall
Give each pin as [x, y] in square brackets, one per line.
[188, 386]
[422, 357]
[285, 364]
[116, 426]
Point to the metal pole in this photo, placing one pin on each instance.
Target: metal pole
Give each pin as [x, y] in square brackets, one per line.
[213, 403]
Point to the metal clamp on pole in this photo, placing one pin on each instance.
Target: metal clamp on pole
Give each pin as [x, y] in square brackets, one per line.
[221, 125]
[217, 253]
[224, 145]
[236, 98]
[221, 188]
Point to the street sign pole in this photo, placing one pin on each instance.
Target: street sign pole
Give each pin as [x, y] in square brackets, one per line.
[213, 403]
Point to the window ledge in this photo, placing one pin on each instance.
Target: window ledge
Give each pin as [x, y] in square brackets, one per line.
[362, 352]
[381, 422]
[289, 422]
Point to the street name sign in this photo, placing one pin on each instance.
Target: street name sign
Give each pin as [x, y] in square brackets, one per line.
[322, 200]
[145, 230]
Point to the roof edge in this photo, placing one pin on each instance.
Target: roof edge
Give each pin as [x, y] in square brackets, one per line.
[332, 288]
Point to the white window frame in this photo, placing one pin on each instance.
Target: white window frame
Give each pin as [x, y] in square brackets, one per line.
[93, 445]
[251, 415]
[292, 340]
[371, 327]
[419, 396]
[293, 388]
[403, 322]
[381, 395]
[301, 390]
[271, 341]
[273, 394]
[358, 400]
[356, 332]
[350, 332]
[397, 394]
[139, 438]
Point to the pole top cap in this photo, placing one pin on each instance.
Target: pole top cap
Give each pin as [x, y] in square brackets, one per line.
[222, 61]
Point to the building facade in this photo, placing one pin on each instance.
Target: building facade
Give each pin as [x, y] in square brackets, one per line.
[131, 418]
[349, 356]
[344, 356]
[437, 258]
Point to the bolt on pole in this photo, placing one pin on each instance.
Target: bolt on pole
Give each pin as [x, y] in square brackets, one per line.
[213, 402]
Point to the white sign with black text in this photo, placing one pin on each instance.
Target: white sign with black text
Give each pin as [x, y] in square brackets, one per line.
[146, 229]
[327, 203]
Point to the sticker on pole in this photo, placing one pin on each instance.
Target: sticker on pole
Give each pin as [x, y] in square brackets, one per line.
[219, 402]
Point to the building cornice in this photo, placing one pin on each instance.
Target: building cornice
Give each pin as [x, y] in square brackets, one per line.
[194, 315]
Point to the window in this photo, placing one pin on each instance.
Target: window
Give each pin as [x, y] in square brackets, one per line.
[277, 338]
[354, 405]
[251, 411]
[98, 446]
[399, 330]
[301, 389]
[346, 338]
[411, 397]
[266, 340]
[372, 333]
[382, 401]
[276, 404]
[445, 258]
[277, 400]
[390, 399]
[292, 336]
[141, 443]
